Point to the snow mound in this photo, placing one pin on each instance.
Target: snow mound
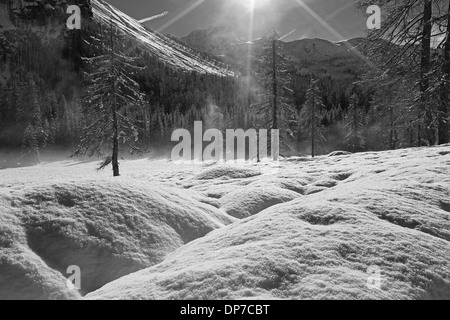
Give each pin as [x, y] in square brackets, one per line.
[107, 228]
[250, 201]
[388, 211]
[227, 172]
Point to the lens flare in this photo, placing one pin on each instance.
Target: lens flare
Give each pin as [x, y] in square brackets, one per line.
[253, 4]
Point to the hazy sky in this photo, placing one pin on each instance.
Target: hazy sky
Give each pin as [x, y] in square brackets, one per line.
[329, 19]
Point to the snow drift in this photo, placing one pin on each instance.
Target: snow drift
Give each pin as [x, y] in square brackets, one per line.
[311, 230]
[108, 229]
[389, 210]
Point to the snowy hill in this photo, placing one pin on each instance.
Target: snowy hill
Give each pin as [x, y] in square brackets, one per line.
[166, 50]
[312, 230]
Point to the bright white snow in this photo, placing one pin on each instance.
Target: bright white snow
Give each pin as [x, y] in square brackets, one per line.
[309, 231]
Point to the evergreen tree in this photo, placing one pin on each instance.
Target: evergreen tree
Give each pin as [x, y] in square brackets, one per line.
[354, 139]
[110, 96]
[30, 145]
[62, 127]
[34, 136]
[311, 116]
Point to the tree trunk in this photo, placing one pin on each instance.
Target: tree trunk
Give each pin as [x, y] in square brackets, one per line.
[425, 69]
[115, 151]
[313, 122]
[275, 86]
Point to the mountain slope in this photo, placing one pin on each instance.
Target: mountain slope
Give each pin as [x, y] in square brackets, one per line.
[166, 50]
[316, 56]
[322, 57]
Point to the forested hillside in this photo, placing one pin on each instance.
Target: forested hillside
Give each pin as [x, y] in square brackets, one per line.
[217, 76]
[44, 80]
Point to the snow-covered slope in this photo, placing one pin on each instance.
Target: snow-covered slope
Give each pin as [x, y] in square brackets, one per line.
[107, 228]
[311, 230]
[166, 50]
[352, 214]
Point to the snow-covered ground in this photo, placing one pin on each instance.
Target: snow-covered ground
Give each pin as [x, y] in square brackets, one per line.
[311, 230]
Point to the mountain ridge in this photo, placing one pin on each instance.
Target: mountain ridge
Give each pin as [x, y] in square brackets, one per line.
[317, 56]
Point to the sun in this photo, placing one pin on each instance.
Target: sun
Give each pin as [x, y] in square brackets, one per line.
[254, 4]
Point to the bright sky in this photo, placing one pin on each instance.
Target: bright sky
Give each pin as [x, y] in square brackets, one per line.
[328, 19]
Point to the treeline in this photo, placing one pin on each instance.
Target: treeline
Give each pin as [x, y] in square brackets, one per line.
[400, 101]
[41, 82]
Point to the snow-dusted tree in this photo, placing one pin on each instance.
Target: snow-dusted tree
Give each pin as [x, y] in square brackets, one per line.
[111, 96]
[311, 116]
[275, 110]
[354, 123]
[34, 135]
[409, 45]
[30, 145]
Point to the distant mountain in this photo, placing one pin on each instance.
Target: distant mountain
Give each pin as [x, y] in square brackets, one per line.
[316, 56]
[325, 58]
[218, 41]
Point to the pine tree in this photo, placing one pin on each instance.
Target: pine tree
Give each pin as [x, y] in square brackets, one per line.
[30, 145]
[62, 129]
[354, 139]
[312, 115]
[110, 97]
[34, 136]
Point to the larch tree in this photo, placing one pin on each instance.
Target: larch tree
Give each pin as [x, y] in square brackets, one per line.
[34, 135]
[111, 96]
[311, 116]
[444, 108]
[410, 44]
[354, 124]
[275, 110]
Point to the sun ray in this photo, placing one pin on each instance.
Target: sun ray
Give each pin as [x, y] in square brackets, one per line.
[334, 32]
[180, 15]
